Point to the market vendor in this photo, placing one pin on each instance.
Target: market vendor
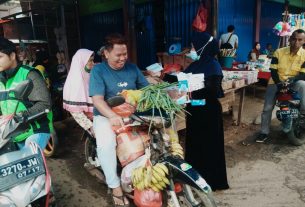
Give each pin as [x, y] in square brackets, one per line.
[268, 50]
[288, 64]
[255, 52]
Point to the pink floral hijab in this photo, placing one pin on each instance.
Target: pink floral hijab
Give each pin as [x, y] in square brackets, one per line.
[76, 89]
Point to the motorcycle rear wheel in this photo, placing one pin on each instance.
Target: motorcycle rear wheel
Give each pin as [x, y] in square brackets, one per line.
[201, 198]
[90, 150]
[52, 146]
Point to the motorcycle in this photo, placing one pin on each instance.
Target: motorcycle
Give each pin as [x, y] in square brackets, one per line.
[24, 176]
[58, 115]
[52, 146]
[288, 102]
[186, 187]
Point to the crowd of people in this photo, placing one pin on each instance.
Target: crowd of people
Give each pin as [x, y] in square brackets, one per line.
[89, 85]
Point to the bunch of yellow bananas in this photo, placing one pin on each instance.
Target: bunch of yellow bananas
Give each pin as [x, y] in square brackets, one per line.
[132, 96]
[154, 177]
[173, 136]
[177, 150]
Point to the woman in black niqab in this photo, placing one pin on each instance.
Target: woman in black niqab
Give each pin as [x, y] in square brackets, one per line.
[204, 124]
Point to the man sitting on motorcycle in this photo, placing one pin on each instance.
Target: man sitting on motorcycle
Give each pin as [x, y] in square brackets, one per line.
[107, 79]
[287, 66]
[12, 73]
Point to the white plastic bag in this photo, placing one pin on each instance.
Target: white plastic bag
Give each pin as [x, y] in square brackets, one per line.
[127, 172]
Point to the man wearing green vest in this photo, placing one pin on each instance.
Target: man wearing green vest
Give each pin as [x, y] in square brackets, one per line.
[12, 73]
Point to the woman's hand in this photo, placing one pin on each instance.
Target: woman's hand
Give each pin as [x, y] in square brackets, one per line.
[116, 121]
[154, 74]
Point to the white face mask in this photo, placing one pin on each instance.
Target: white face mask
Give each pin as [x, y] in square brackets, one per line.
[194, 54]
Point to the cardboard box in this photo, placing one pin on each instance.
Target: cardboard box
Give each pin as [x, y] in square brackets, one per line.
[227, 101]
[238, 83]
[227, 84]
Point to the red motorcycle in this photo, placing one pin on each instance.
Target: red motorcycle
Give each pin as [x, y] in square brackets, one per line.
[165, 171]
[288, 102]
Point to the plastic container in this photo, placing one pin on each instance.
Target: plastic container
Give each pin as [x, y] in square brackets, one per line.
[226, 62]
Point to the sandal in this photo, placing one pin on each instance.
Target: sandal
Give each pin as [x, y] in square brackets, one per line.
[121, 198]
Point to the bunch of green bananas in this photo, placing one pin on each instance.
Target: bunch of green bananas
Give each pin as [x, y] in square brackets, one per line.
[154, 177]
[177, 150]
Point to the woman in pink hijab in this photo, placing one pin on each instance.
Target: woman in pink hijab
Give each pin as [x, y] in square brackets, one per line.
[76, 98]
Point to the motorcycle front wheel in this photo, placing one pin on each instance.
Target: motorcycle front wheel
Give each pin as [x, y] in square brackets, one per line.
[52, 146]
[189, 197]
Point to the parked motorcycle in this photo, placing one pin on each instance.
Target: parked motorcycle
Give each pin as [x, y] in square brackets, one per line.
[58, 115]
[52, 146]
[24, 177]
[185, 186]
[288, 102]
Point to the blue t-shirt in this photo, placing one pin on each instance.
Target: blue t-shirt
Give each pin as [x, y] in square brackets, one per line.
[107, 82]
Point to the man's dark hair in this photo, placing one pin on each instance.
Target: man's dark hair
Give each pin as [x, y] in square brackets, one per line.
[231, 28]
[6, 46]
[114, 38]
[298, 31]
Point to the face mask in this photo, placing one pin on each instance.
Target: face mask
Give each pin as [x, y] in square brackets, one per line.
[87, 69]
[193, 54]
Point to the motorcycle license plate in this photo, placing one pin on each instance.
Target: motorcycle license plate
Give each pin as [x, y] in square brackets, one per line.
[20, 171]
[288, 113]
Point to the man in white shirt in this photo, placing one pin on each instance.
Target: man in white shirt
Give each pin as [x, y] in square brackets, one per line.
[230, 38]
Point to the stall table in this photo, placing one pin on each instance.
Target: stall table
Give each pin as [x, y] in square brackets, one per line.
[242, 90]
[180, 121]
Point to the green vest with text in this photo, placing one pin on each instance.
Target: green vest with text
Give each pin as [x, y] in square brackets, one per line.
[9, 106]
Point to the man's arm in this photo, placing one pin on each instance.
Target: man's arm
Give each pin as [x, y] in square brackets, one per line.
[274, 68]
[219, 43]
[40, 96]
[275, 76]
[301, 76]
[102, 106]
[141, 80]
[236, 43]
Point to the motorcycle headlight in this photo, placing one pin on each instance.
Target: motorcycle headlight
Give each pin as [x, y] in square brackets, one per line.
[6, 202]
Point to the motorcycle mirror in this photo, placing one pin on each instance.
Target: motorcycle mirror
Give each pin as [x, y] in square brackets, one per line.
[115, 101]
[22, 90]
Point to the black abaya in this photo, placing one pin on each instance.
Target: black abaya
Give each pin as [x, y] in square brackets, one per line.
[205, 136]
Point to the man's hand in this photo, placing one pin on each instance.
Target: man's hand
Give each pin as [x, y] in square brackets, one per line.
[116, 121]
[283, 86]
[20, 117]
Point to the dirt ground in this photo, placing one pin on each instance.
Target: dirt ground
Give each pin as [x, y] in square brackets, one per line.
[260, 175]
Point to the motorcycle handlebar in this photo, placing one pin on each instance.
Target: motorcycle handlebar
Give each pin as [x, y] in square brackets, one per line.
[38, 115]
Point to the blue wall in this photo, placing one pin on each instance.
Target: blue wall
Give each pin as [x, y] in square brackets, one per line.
[145, 35]
[179, 15]
[268, 20]
[96, 26]
[239, 13]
